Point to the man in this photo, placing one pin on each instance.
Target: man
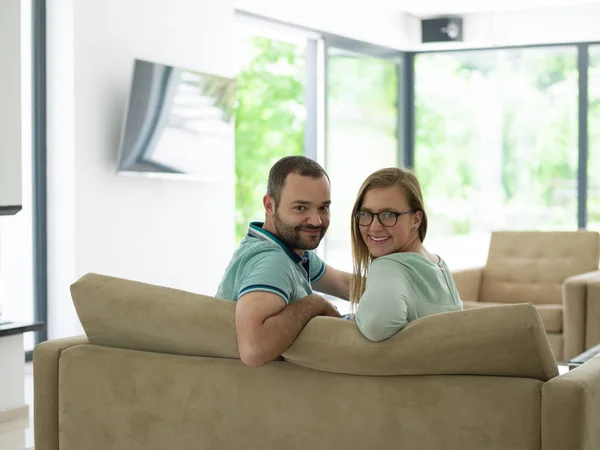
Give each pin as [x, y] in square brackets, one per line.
[272, 273]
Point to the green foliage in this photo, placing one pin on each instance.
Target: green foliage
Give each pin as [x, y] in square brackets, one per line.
[369, 83]
[496, 142]
[594, 140]
[269, 120]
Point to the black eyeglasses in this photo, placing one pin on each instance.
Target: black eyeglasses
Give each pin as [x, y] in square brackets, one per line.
[386, 218]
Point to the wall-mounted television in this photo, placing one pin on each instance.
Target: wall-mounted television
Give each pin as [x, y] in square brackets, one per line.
[178, 122]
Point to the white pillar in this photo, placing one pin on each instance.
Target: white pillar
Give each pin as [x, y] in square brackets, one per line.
[10, 106]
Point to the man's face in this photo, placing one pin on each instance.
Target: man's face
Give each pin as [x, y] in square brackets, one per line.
[302, 216]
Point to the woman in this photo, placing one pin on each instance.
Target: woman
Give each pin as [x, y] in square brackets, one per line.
[396, 280]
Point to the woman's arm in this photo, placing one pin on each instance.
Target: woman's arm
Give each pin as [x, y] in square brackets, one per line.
[382, 309]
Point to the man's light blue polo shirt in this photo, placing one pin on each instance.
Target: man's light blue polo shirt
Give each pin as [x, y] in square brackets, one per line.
[264, 263]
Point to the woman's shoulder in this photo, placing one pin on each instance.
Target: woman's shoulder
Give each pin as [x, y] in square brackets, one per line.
[407, 259]
[409, 263]
[395, 262]
[393, 259]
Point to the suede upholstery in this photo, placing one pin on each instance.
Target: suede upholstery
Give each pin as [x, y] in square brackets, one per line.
[556, 271]
[159, 369]
[109, 310]
[571, 409]
[137, 316]
[131, 399]
[506, 340]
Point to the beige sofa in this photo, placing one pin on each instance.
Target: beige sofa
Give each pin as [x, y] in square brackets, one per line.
[159, 369]
[556, 271]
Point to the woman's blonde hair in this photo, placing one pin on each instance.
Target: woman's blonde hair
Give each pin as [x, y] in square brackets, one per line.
[383, 178]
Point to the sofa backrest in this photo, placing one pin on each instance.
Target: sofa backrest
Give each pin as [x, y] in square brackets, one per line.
[127, 314]
[532, 266]
[503, 341]
[499, 340]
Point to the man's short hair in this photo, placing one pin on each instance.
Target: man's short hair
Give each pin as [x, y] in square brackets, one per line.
[301, 165]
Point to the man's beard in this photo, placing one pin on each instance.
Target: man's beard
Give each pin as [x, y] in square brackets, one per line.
[291, 236]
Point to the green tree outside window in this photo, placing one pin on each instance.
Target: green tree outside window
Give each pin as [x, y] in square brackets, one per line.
[270, 117]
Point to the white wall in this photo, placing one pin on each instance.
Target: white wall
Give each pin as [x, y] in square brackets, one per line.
[167, 232]
[366, 22]
[10, 103]
[60, 169]
[552, 25]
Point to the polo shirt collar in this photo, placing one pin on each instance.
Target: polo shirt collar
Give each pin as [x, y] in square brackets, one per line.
[256, 230]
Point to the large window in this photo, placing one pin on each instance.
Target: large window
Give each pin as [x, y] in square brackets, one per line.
[495, 133]
[270, 115]
[496, 145]
[593, 169]
[362, 116]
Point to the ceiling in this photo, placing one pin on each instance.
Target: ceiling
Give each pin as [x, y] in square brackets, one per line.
[425, 8]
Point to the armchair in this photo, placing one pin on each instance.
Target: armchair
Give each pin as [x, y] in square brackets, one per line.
[556, 271]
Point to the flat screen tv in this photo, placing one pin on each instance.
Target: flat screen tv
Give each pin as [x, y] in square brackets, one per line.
[178, 122]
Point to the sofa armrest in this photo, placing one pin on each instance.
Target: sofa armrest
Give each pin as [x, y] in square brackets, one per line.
[45, 390]
[468, 283]
[571, 409]
[576, 303]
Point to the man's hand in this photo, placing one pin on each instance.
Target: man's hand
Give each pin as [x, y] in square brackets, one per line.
[325, 307]
[266, 326]
[330, 310]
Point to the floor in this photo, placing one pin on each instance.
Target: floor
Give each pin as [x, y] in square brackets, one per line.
[19, 435]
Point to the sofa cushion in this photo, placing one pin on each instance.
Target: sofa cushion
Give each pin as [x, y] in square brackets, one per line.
[532, 266]
[128, 314]
[505, 340]
[551, 315]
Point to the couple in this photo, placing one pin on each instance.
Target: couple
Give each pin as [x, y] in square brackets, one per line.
[272, 274]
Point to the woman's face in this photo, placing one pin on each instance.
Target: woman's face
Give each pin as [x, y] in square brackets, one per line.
[382, 240]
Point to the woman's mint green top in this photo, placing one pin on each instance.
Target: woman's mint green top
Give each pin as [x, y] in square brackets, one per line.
[403, 287]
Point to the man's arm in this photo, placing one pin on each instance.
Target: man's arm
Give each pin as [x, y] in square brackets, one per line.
[266, 326]
[334, 282]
